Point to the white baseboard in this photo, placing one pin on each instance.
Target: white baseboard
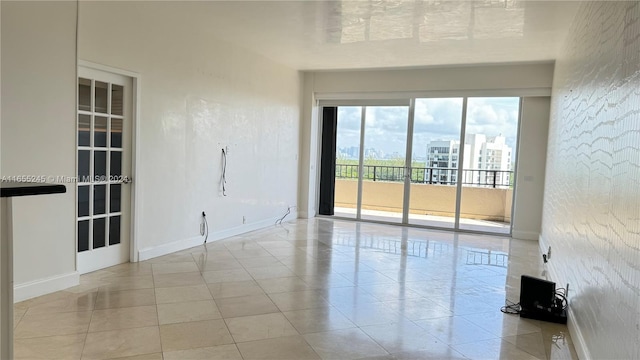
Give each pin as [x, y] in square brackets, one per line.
[525, 235]
[164, 249]
[45, 286]
[160, 250]
[576, 335]
[219, 235]
[542, 243]
[574, 330]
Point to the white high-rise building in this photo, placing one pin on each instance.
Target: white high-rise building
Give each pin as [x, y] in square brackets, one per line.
[487, 160]
[442, 161]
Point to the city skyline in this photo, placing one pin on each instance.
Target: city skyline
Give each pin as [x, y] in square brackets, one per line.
[435, 119]
[353, 152]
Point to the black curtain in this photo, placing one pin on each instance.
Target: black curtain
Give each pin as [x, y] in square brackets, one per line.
[328, 160]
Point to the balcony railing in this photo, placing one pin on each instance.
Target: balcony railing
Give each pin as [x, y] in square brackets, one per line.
[428, 175]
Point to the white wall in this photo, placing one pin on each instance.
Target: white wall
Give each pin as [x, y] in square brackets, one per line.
[515, 77]
[309, 150]
[532, 155]
[199, 94]
[38, 138]
[527, 80]
[591, 213]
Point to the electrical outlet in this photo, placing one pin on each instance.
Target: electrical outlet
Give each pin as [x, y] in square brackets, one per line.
[549, 254]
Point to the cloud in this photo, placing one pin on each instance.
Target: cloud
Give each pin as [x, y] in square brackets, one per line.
[349, 118]
[494, 116]
[348, 128]
[434, 119]
[438, 119]
[386, 128]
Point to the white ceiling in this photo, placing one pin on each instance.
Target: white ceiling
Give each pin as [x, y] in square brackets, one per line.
[322, 35]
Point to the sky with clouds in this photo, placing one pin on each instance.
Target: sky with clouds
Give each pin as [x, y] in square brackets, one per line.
[435, 119]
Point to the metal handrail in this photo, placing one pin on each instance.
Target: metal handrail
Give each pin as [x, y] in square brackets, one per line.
[427, 175]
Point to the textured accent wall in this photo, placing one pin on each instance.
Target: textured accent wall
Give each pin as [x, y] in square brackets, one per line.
[591, 216]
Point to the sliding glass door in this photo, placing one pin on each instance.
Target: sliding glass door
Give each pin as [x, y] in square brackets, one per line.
[439, 162]
[347, 160]
[490, 151]
[435, 159]
[383, 175]
[371, 143]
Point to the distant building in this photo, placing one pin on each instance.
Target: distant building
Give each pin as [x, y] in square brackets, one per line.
[351, 152]
[480, 153]
[442, 158]
[373, 153]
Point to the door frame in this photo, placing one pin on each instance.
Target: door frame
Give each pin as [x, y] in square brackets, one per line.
[397, 98]
[135, 153]
[363, 103]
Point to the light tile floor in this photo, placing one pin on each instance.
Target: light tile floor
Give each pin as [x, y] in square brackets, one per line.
[309, 289]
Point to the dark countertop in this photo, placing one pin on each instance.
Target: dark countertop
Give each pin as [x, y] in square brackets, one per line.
[12, 189]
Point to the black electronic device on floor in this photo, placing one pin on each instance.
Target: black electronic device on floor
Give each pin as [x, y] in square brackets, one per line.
[540, 301]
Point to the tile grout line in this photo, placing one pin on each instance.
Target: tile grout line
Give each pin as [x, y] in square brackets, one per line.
[86, 335]
[155, 301]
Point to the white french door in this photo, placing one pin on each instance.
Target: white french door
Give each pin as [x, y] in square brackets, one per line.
[104, 138]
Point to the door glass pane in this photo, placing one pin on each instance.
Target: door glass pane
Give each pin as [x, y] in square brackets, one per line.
[116, 133]
[100, 164]
[114, 197]
[100, 132]
[83, 235]
[117, 94]
[99, 232]
[435, 154]
[99, 199]
[347, 157]
[84, 94]
[385, 143]
[101, 97]
[83, 164]
[84, 130]
[114, 230]
[116, 163]
[487, 192]
[83, 201]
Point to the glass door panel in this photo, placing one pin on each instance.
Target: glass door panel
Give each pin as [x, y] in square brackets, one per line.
[490, 146]
[435, 157]
[348, 126]
[385, 144]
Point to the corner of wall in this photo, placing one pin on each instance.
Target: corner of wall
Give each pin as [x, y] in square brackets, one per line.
[525, 235]
[579, 341]
[45, 286]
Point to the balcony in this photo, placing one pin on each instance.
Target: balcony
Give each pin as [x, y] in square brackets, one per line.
[486, 195]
